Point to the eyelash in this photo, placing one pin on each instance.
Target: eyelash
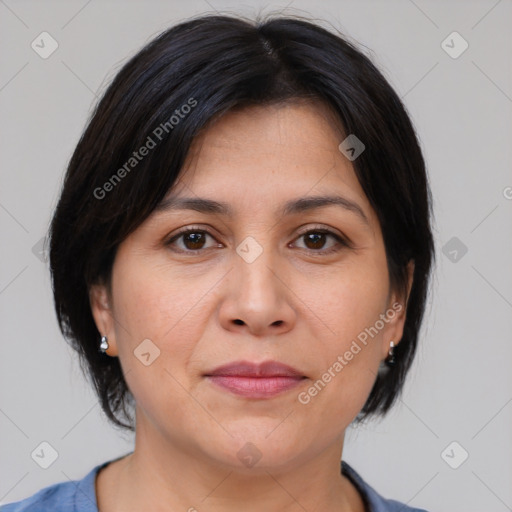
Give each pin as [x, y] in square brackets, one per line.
[341, 241]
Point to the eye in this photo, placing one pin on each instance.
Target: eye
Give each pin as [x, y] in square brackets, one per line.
[192, 240]
[315, 240]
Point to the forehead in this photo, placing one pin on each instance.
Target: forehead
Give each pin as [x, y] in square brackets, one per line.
[272, 152]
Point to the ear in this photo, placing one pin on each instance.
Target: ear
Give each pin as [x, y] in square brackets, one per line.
[396, 312]
[100, 302]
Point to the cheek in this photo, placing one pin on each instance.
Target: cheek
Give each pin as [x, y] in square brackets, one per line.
[170, 308]
[349, 304]
[157, 302]
[151, 304]
[346, 301]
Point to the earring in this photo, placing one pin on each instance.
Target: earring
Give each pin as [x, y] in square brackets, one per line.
[388, 363]
[104, 344]
[390, 360]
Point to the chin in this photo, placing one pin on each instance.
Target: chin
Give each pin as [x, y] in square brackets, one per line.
[256, 445]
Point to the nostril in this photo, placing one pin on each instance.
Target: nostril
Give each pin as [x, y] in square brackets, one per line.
[239, 322]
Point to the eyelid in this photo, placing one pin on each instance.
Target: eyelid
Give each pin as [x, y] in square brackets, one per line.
[327, 230]
[342, 240]
[185, 230]
[319, 228]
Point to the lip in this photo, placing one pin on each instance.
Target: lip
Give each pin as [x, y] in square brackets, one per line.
[256, 380]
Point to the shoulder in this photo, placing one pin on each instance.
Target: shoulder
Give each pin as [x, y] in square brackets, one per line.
[68, 496]
[58, 497]
[373, 500]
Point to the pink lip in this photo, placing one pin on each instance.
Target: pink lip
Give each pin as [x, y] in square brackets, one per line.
[252, 380]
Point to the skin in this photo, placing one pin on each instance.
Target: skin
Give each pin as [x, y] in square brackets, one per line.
[292, 304]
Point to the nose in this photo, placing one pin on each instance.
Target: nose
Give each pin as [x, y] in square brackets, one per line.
[257, 298]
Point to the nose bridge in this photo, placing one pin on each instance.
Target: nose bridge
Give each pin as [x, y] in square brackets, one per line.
[255, 262]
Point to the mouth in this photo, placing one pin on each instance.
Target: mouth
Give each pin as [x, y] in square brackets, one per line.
[252, 380]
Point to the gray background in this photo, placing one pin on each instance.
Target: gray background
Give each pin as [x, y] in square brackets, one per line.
[461, 385]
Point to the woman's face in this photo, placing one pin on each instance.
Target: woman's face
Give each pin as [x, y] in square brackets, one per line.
[272, 278]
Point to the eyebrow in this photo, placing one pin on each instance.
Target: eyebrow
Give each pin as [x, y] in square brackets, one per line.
[294, 206]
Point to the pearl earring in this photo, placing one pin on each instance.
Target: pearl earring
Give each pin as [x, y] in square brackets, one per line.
[104, 344]
[390, 360]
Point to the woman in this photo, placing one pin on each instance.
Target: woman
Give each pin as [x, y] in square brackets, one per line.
[241, 255]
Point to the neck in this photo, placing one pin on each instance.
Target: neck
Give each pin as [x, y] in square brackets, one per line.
[164, 476]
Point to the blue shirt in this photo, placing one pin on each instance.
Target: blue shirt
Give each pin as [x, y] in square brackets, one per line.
[80, 496]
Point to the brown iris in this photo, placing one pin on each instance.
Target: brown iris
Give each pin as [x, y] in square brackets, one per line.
[194, 241]
[317, 240]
